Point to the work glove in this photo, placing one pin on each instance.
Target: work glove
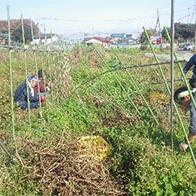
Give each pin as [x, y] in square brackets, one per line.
[183, 146]
[42, 99]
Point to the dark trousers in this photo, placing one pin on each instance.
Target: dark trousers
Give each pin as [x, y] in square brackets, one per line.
[24, 105]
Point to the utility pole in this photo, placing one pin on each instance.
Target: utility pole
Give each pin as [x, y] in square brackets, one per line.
[195, 29]
[172, 72]
[158, 25]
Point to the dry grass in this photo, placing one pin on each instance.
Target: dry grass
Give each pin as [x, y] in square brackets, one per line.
[63, 171]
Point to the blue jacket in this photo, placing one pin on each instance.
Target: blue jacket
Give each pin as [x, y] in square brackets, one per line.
[21, 96]
[189, 64]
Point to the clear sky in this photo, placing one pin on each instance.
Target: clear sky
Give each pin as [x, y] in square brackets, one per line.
[103, 16]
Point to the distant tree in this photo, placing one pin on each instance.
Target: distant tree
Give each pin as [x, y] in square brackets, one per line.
[17, 32]
[185, 31]
[16, 29]
[182, 31]
[163, 33]
[143, 36]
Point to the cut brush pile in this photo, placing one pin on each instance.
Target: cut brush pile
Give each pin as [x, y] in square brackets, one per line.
[62, 171]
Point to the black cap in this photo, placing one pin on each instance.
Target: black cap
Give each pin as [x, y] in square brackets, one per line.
[40, 73]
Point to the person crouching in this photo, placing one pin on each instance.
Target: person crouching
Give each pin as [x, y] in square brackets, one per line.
[182, 97]
[26, 91]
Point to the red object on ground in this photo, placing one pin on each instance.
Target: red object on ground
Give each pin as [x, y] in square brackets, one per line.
[42, 99]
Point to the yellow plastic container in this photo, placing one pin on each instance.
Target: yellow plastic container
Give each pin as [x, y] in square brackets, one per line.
[93, 146]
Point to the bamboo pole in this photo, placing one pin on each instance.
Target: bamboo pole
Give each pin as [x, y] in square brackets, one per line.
[11, 77]
[26, 71]
[36, 68]
[172, 75]
[136, 86]
[138, 90]
[130, 99]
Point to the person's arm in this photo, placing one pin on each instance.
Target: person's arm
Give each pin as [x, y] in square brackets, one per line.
[190, 63]
[41, 85]
[45, 87]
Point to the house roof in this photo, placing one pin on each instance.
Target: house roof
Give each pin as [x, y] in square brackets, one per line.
[129, 37]
[101, 39]
[4, 35]
[113, 35]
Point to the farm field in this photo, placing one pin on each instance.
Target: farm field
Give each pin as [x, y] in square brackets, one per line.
[129, 108]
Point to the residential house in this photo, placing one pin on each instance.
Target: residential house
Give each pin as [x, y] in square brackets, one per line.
[3, 38]
[45, 39]
[103, 41]
[122, 39]
[157, 39]
[117, 35]
[117, 38]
